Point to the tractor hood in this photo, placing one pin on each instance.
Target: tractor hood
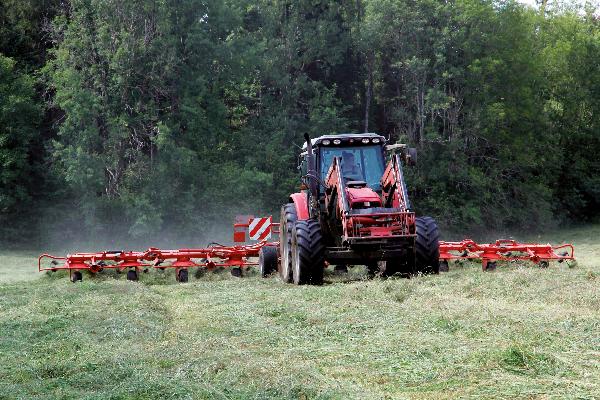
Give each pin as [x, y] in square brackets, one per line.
[363, 197]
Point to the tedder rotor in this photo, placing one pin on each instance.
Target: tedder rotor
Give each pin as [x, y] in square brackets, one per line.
[237, 257]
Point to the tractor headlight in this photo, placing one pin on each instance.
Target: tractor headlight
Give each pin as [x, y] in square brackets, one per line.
[326, 142]
[376, 140]
[365, 140]
[337, 141]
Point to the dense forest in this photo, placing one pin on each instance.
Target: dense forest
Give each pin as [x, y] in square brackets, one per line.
[162, 118]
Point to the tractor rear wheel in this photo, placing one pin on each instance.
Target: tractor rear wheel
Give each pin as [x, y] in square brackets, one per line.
[308, 253]
[427, 246]
[287, 222]
[267, 260]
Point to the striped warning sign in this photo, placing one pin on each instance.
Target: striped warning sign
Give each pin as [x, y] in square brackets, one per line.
[260, 228]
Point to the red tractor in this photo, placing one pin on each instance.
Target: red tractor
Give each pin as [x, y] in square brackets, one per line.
[354, 210]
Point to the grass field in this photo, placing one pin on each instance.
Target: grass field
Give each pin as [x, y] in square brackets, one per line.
[518, 332]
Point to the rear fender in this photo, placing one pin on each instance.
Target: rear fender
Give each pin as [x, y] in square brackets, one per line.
[301, 203]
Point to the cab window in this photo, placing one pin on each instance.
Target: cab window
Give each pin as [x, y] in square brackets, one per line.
[359, 163]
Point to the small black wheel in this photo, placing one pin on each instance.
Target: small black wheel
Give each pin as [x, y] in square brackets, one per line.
[182, 275]
[76, 276]
[289, 217]
[132, 275]
[544, 264]
[491, 266]
[267, 260]
[444, 267]
[308, 253]
[236, 271]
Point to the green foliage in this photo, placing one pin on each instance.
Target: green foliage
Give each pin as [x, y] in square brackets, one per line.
[175, 115]
[25, 29]
[19, 116]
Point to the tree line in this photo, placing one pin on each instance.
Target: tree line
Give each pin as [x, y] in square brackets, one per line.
[163, 118]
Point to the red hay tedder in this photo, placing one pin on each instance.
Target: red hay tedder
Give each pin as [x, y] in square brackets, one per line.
[216, 255]
[352, 209]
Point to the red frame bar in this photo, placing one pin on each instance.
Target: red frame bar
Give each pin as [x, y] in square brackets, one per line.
[211, 257]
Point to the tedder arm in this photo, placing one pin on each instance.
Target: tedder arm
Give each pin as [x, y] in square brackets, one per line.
[215, 255]
[503, 250]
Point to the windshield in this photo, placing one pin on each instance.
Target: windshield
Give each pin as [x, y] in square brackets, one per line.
[359, 163]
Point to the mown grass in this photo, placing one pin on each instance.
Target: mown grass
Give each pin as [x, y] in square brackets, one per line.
[519, 332]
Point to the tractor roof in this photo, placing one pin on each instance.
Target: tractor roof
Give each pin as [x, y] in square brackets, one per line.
[345, 137]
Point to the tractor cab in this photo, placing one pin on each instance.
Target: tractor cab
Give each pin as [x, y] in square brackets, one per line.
[362, 157]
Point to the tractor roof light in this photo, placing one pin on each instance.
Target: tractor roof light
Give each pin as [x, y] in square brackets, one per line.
[375, 140]
[365, 140]
[326, 142]
[337, 141]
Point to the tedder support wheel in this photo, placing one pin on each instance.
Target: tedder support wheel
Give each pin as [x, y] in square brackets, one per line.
[489, 265]
[444, 267]
[182, 275]
[308, 253]
[287, 222]
[267, 260]
[132, 275]
[427, 246]
[76, 276]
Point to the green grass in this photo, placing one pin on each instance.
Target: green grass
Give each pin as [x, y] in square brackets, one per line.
[519, 332]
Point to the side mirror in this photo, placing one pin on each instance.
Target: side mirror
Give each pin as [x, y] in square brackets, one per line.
[410, 156]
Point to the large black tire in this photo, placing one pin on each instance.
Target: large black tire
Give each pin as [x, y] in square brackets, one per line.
[267, 260]
[427, 246]
[308, 253]
[286, 224]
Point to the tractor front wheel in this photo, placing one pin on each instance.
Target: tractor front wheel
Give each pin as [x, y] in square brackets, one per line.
[308, 253]
[427, 246]
[289, 217]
